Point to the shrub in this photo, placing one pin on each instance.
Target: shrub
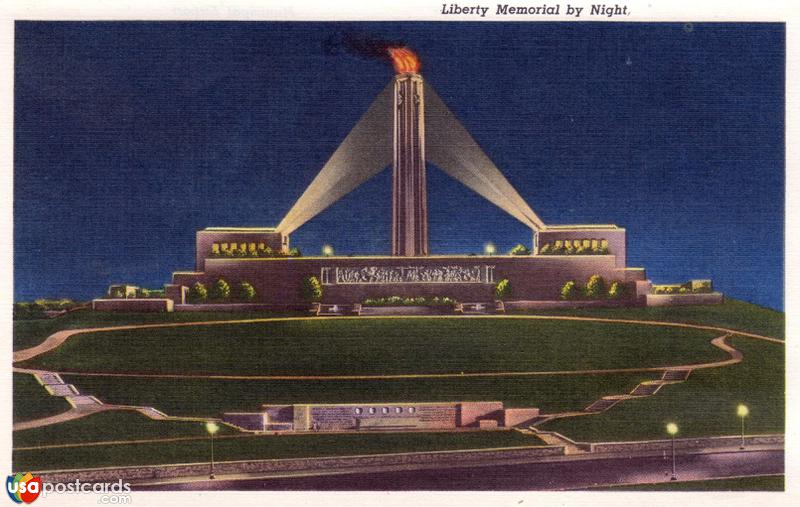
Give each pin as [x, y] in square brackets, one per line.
[311, 289]
[596, 287]
[569, 249]
[570, 291]
[409, 301]
[520, 250]
[545, 249]
[245, 292]
[616, 291]
[503, 289]
[220, 290]
[295, 252]
[198, 293]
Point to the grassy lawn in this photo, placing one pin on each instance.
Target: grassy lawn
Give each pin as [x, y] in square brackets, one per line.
[107, 426]
[209, 398]
[732, 314]
[760, 483]
[230, 448]
[704, 405]
[28, 333]
[381, 346]
[31, 400]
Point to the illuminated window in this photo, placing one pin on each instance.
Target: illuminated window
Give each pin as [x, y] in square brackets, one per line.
[604, 243]
[252, 247]
[243, 246]
[594, 244]
[411, 410]
[398, 410]
[358, 410]
[261, 246]
[385, 410]
[371, 410]
[224, 246]
[587, 243]
[215, 248]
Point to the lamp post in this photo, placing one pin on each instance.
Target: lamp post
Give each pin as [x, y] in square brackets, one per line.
[489, 249]
[742, 412]
[672, 429]
[211, 428]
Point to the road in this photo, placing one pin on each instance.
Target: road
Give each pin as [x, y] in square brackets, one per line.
[554, 475]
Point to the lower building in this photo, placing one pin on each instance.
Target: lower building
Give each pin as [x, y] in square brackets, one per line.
[381, 416]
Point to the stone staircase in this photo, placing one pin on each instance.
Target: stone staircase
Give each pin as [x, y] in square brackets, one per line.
[643, 389]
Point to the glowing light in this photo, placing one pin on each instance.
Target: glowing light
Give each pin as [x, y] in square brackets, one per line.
[327, 250]
[672, 429]
[404, 60]
[742, 410]
[212, 427]
[489, 249]
[452, 149]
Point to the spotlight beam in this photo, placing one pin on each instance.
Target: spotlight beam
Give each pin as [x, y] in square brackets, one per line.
[365, 152]
[450, 147]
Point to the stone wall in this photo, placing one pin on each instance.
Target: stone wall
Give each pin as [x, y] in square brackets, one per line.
[518, 416]
[139, 474]
[686, 443]
[712, 298]
[532, 277]
[133, 305]
[470, 412]
[614, 235]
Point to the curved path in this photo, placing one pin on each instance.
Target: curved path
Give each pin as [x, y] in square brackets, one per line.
[58, 338]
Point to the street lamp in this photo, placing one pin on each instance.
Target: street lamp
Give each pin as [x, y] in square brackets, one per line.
[742, 412]
[211, 428]
[489, 249]
[672, 429]
[327, 250]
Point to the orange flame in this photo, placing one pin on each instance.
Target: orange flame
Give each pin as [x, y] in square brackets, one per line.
[404, 60]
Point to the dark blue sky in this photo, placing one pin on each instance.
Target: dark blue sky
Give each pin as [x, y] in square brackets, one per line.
[131, 136]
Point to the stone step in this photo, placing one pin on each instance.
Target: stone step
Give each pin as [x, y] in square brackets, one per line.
[676, 375]
[646, 389]
[50, 378]
[83, 400]
[601, 405]
[61, 389]
[153, 413]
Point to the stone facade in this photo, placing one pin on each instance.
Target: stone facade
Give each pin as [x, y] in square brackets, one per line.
[240, 236]
[466, 278]
[375, 416]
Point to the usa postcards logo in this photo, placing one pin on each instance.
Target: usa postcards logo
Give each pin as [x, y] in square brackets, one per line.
[23, 487]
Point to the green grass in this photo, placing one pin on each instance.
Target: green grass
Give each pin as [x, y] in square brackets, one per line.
[109, 426]
[381, 346]
[209, 398]
[258, 447]
[704, 405]
[32, 401]
[759, 483]
[28, 333]
[733, 314]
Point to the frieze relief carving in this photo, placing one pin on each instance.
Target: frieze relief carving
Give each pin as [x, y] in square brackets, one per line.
[407, 274]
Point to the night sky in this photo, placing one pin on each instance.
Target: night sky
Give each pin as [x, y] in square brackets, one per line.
[131, 136]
